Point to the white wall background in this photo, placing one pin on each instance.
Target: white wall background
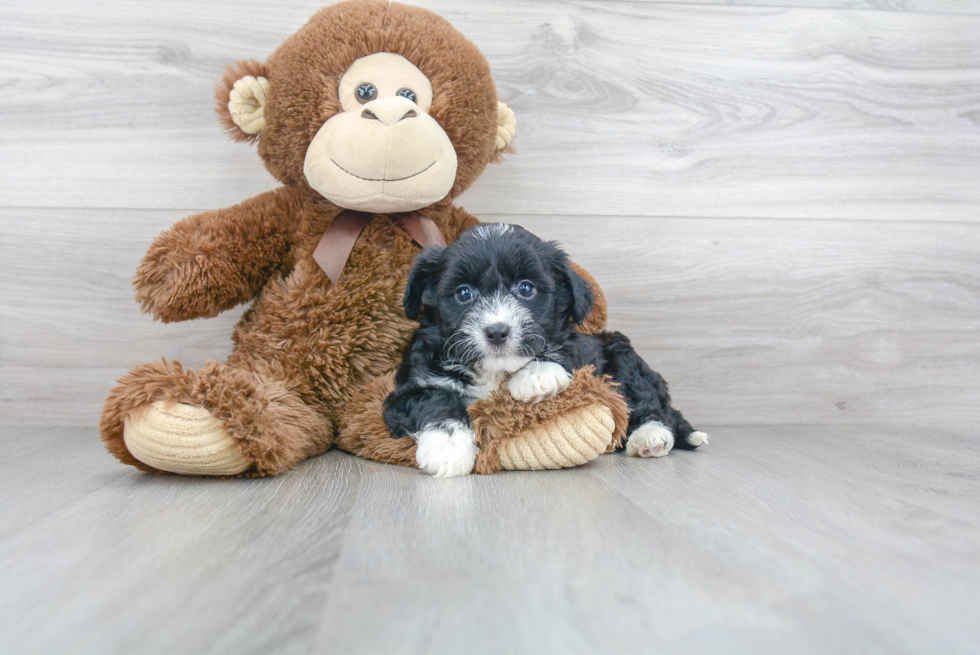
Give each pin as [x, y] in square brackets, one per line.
[781, 199]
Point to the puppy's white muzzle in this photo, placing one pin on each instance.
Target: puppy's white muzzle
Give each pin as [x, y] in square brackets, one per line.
[496, 329]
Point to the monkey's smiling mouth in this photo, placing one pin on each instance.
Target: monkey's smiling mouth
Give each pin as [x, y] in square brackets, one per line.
[382, 179]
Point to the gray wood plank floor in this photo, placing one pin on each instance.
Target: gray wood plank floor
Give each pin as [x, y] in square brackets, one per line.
[770, 540]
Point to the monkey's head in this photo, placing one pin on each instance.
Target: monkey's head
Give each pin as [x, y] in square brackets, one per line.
[377, 107]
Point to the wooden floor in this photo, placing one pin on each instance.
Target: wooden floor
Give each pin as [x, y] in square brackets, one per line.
[781, 200]
[770, 540]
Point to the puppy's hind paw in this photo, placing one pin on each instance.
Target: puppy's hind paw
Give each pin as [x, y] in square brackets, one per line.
[538, 381]
[446, 449]
[652, 439]
[696, 439]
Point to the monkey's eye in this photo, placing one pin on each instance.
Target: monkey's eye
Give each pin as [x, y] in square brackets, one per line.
[465, 294]
[407, 93]
[525, 289]
[366, 93]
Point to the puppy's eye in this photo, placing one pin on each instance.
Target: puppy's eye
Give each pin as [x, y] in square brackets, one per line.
[464, 294]
[525, 289]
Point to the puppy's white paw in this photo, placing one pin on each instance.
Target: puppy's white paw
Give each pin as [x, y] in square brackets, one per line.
[652, 439]
[538, 381]
[698, 438]
[446, 449]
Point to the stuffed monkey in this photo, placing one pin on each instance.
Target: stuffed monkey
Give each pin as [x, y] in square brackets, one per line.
[374, 117]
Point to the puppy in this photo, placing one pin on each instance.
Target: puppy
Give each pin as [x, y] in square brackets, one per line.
[500, 306]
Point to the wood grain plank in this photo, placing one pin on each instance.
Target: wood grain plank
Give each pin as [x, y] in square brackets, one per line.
[769, 540]
[820, 498]
[36, 457]
[752, 321]
[794, 321]
[625, 108]
[147, 563]
[919, 6]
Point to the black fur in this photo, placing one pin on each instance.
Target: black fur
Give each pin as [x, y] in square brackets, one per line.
[443, 362]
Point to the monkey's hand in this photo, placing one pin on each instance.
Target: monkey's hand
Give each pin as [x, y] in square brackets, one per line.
[210, 262]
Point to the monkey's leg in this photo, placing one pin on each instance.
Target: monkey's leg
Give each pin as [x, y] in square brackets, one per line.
[216, 420]
[582, 422]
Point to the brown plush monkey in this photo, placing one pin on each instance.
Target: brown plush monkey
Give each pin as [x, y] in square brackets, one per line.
[374, 117]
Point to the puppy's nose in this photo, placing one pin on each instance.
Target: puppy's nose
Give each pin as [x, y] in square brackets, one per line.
[497, 333]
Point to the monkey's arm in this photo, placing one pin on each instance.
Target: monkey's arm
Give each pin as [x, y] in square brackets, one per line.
[210, 262]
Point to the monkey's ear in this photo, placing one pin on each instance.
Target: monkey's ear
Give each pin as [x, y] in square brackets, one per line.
[506, 127]
[422, 281]
[240, 99]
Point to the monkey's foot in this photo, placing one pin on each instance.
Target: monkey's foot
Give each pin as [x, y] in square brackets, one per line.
[571, 439]
[181, 438]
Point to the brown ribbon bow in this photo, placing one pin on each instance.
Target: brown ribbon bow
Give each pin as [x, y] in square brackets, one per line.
[337, 242]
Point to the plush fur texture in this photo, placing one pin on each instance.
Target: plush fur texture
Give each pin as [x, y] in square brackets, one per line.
[276, 429]
[305, 71]
[496, 420]
[499, 307]
[311, 359]
[501, 418]
[222, 93]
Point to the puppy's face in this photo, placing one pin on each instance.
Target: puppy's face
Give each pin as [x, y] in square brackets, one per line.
[498, 295]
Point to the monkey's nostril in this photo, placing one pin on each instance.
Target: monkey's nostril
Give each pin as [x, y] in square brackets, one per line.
[367, 113]
[497, 333]
[411, 114]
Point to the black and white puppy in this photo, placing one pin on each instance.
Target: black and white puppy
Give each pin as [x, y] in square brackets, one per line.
[501, 305]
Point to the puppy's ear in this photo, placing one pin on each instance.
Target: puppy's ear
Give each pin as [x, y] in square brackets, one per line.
[578, 298]
[422, 279]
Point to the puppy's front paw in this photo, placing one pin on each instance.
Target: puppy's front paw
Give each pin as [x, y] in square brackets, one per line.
[652, 439]
[538, 381]
[446, 449]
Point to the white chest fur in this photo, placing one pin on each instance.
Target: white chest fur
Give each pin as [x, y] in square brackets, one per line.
[485, 382]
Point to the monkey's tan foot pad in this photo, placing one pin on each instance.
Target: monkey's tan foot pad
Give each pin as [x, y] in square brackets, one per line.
[585, 420]
[571, 439]
[184, 439]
